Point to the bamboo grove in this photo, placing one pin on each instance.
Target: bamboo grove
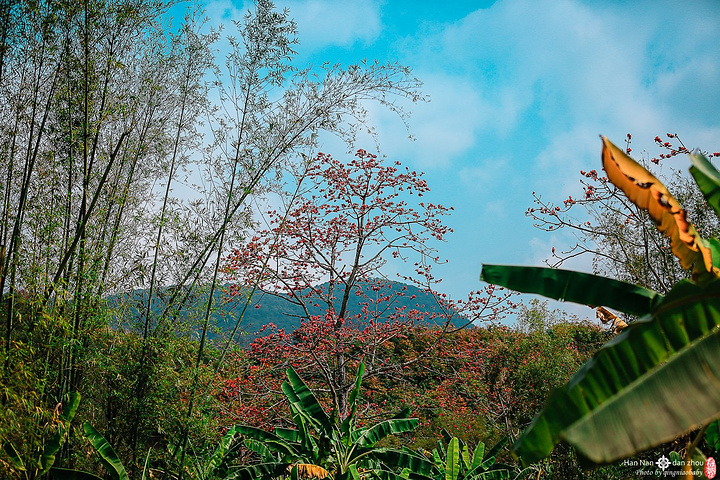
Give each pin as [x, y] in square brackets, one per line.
[133, 136]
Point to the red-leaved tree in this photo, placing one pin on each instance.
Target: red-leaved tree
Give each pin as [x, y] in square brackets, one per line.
[621, 238]
[327, 254]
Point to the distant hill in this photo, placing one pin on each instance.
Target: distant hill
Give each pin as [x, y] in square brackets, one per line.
[262, 310]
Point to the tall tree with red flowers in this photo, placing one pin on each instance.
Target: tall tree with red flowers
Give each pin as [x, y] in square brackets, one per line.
[622, 240]
[326, 254]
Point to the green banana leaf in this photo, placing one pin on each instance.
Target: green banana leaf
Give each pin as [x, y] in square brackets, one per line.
[15, 458]
[289, 434]
[452, 461]
[404, 475]
[478, 455]
[492, 475]
[108, 456]
[465, 456]
[221, 451]
[293, 445]
[347, 423]
[634, 392]
[52, 446]
[707, 178]
[260, 448]
[258, 472]
[257, 433]
[306, 438]
[256, 438]
[369, 436]
[353, 472]
[402, 459]
[576, 287]
[712, 436]
[69, 474]
[496, 448]
[304, 401]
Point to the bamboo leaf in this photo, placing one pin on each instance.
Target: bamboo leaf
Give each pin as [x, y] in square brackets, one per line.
[633, 393]
[108, 456]
[648, 193]
[576, 287]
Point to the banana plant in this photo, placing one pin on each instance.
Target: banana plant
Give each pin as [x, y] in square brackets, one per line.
[217, 465]
[658, 378]
[455, 463]
[324, 447]
[40, 462]
[108, 457]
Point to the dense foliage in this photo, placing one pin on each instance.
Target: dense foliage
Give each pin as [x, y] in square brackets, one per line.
[131, 254]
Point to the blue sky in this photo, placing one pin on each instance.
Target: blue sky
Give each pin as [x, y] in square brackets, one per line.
[519, 91]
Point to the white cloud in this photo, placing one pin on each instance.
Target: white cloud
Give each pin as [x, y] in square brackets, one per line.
[444, 129]
[566, 66]
[487, 171]
[323, 23]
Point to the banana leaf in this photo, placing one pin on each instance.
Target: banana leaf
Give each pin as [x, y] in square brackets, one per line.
[260, 448]
[576, 287]
[648, 193]
[289, 434]
[304, 401]
[70, 474]
[14, 456]
[371, 435]
[220, 452]
[257, 472]
[658, 379]
[478, 455]
[712, 436]
[496, 448]
[108, 456]
[452, 461]
[347, 423]
[492, 475]
[402, 459]
[707, 178]
[55, 442]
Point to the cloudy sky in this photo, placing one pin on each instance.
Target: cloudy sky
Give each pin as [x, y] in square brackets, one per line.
[519, 92]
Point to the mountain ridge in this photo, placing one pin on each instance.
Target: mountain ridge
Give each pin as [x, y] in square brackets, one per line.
[264, 308]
